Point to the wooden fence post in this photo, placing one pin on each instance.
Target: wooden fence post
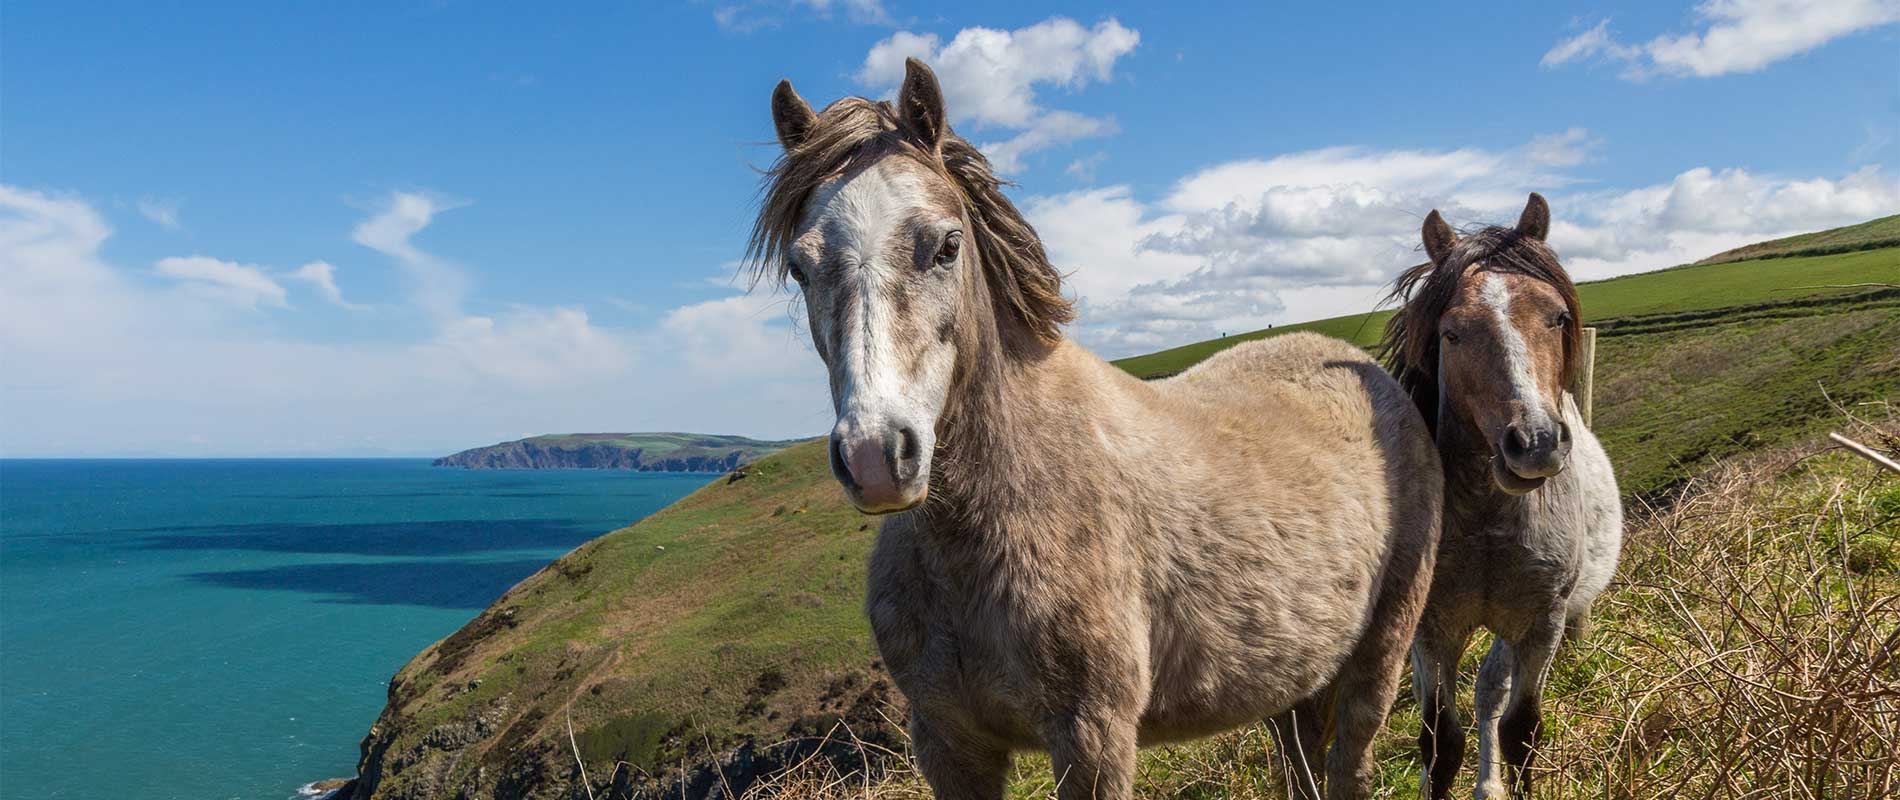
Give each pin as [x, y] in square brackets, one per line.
[1585, 388]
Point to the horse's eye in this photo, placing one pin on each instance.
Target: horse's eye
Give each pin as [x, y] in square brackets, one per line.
[791, 268]
[1561, 320]
[948, 251]
[1450, 337]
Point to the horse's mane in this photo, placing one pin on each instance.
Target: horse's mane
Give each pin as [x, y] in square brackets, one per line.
[1423, 292]
[855, 131]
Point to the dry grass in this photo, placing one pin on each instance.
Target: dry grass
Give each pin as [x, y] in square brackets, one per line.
[1748, 651]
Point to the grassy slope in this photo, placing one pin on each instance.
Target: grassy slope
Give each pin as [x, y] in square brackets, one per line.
[1686, 288]
[747, 624]
[1746, 652]
[684, 617]
[1883, 232]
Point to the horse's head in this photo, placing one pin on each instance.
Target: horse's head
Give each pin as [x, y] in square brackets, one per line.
[1498, 319]
[898, 236]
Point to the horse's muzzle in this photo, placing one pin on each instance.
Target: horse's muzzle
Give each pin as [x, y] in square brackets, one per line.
[1529, 453]
[880, 464]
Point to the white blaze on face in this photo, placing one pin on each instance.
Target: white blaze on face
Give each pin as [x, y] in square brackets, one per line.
[858, 217]
[1496, 294]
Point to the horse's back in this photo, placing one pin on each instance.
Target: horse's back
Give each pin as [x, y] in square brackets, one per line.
[1309, 379]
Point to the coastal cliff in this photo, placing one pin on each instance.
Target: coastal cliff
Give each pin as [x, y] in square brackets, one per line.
[645, 452]
[714, 643]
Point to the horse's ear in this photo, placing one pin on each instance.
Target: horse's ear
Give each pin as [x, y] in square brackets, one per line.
[791, 115]
[1535, 221]
[1439, 237]
[920, 104]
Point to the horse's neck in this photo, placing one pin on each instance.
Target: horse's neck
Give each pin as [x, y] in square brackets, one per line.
[1018, 437]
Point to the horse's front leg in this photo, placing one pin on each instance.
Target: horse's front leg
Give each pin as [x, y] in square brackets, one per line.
[1092, 751]
[1512, 676]
[1494, 684]
[1094, 682]
[1523, 718]
[1441, 738]
[957, 763]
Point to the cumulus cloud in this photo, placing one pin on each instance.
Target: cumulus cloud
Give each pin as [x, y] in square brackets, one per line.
[991, 78]
[1734, 36]
[1313, 234]
[321, 275]
[109, 360]
[1703, 211]
[238, 284]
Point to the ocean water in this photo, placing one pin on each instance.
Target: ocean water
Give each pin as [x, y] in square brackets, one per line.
[226, 629]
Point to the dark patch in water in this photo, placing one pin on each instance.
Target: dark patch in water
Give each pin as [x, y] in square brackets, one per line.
[334, 495]
[433, 584]
[444, 537]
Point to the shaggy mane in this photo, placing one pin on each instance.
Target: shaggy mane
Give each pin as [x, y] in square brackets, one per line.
[1409, 347]
[853, 132]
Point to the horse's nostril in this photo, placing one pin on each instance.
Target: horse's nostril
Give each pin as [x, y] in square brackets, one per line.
[838, 467]
[906, 446]
[1516, 442]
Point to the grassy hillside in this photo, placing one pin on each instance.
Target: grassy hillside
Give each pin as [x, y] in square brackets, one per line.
[732, 615]
[722, 639]
[1883, 232]
[1746, 651]
[1695, 287]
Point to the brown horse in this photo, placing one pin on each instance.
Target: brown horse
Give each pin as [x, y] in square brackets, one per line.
[1076, 560]
[1486, 342]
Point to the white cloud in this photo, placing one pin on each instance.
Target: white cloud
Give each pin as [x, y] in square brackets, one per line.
[991, 78]
[1049, 130]
[528, 346]
[321, 275]
[1735, 36]
[1583, 45]
[438, 286]
[161, 211]
[1314, 234]
[1704, 211]
[238, 284]
[101, 361]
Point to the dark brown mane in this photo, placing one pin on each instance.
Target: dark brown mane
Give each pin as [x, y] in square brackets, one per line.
[853, 132]
[1410, 344]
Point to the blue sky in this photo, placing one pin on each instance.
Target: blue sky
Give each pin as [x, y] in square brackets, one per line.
[406, 228]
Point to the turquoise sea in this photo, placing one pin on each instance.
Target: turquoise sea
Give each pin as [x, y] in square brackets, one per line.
[226, 629]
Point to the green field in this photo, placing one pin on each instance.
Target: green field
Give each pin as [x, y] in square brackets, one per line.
[727, 628]
[1883, 232]
[1681, 289]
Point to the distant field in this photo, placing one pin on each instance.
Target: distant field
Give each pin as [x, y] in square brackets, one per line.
[1883, 232]
[656, 444]
[1687, 288]
[1673, 399]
